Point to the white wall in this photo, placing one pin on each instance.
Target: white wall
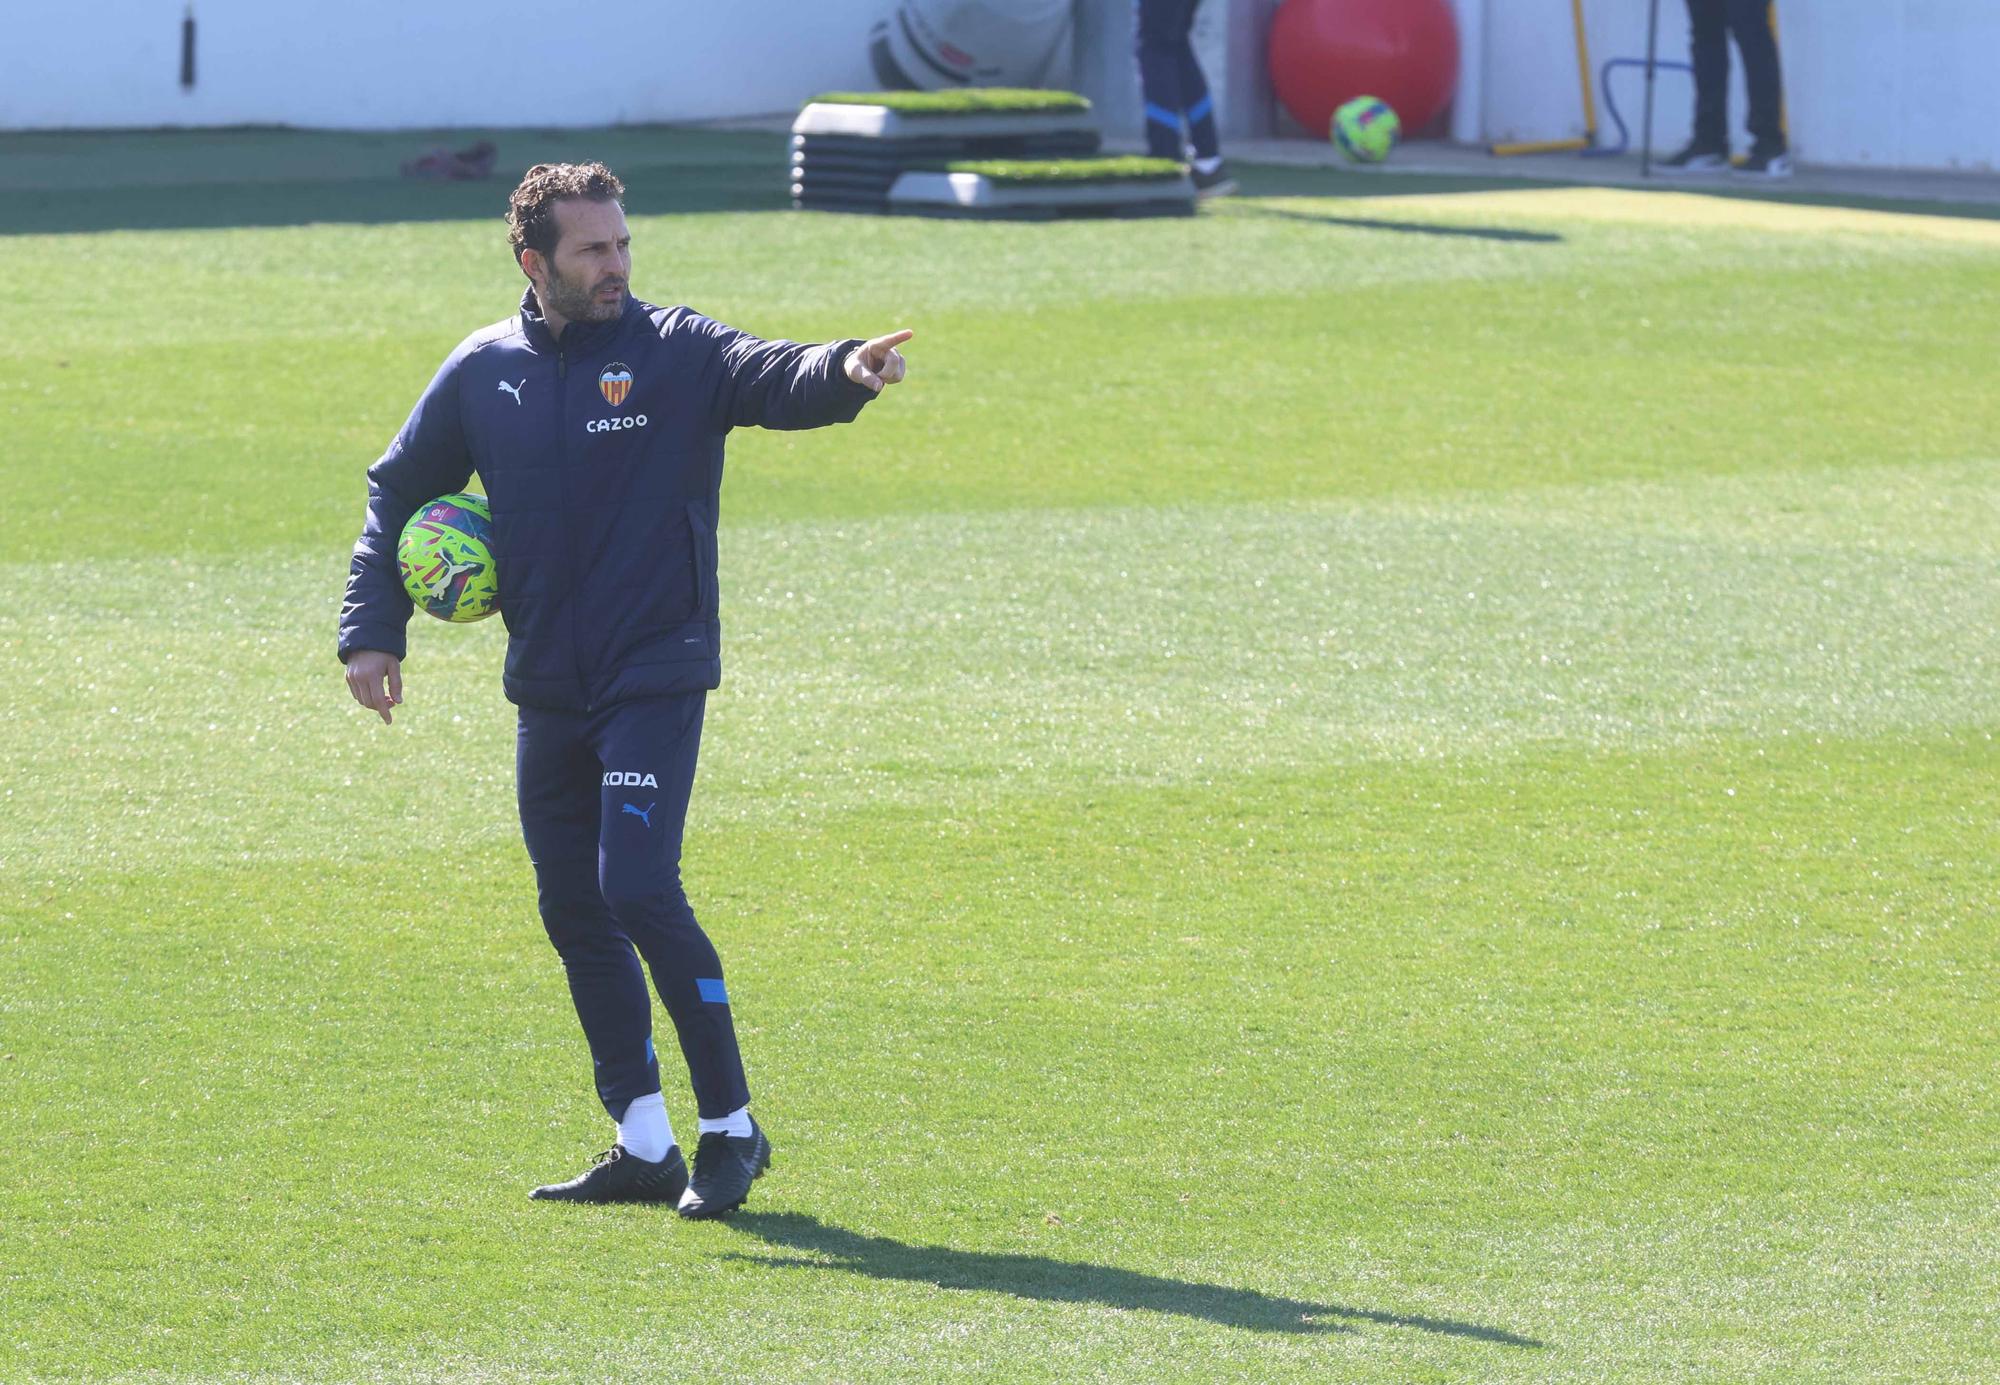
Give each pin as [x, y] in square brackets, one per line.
[1904, 83]
[1930, 65]
[1890, 83]
[380, 64]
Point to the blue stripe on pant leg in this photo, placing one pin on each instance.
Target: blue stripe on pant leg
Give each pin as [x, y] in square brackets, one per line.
[639, 879]
[1201, 105]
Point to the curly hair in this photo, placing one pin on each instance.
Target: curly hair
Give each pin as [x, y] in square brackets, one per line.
[531, 210]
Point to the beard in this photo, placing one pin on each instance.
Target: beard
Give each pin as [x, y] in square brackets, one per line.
[576, 301]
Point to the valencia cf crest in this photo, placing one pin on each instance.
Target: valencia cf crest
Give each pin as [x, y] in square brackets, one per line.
[615, 382]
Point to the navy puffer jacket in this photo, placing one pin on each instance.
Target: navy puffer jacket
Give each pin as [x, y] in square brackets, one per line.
[601, 456]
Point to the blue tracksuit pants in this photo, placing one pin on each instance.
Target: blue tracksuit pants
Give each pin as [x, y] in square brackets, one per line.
[603, 797]
[1171, 81]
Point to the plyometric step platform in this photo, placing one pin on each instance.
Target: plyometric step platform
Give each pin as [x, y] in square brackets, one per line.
[849, 149]
[968, 192]
[870, 168]
[939, 121]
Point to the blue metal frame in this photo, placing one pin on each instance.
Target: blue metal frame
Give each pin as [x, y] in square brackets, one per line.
[1611, 106]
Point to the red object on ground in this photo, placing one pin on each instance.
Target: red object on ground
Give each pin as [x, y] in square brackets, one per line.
[1325, 53]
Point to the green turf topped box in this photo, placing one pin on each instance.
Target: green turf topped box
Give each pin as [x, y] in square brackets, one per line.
[964, 101]
[849, 148]
[895, 115]
[1069, 172]
[1065, 187]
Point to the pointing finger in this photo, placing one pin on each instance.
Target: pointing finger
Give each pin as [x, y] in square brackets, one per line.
[882, 346]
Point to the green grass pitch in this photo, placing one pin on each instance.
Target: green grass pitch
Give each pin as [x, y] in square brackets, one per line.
[1359, 787]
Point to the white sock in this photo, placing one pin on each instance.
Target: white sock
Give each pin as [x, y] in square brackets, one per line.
[645, 1132]
[736, 1123]
[1208, 165]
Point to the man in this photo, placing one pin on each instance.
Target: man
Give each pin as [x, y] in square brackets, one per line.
[1710, 25]
[596, 423]
[1172, 84]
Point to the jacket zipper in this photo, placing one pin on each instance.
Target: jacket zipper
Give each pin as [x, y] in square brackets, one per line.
[569, 533]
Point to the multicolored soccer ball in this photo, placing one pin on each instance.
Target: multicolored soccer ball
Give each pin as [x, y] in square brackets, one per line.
[445, 555]
[1366, 129]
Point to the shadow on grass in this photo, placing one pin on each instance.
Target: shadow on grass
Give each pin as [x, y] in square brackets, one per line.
[1409, 228]
[361, 202]
[1064, 1281]
[197, 180]
[1333, 180]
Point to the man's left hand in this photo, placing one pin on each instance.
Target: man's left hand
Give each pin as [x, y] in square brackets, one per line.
[878, 363]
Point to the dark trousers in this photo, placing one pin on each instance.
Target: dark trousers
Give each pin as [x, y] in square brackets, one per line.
[1711, 24]
[603, 798]
[1172, 83]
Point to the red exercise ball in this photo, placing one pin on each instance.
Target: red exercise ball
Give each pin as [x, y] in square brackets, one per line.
[1325, 53]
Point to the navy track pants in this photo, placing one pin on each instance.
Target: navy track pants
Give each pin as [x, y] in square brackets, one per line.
[1171, 81]
[604, 797]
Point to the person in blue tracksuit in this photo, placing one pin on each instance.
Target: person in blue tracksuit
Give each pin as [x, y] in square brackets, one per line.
[596, 424]
[1176, 94]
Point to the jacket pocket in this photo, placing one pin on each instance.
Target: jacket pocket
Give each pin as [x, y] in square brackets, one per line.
[702, 553]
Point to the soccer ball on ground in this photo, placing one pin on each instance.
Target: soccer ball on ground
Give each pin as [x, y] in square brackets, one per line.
[1366, 129]
[445, 555]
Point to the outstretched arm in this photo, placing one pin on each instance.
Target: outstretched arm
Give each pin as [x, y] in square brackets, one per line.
[787, 384]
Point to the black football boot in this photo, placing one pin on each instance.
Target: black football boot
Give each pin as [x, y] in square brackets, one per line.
[621, 1177]
[724, 1168]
